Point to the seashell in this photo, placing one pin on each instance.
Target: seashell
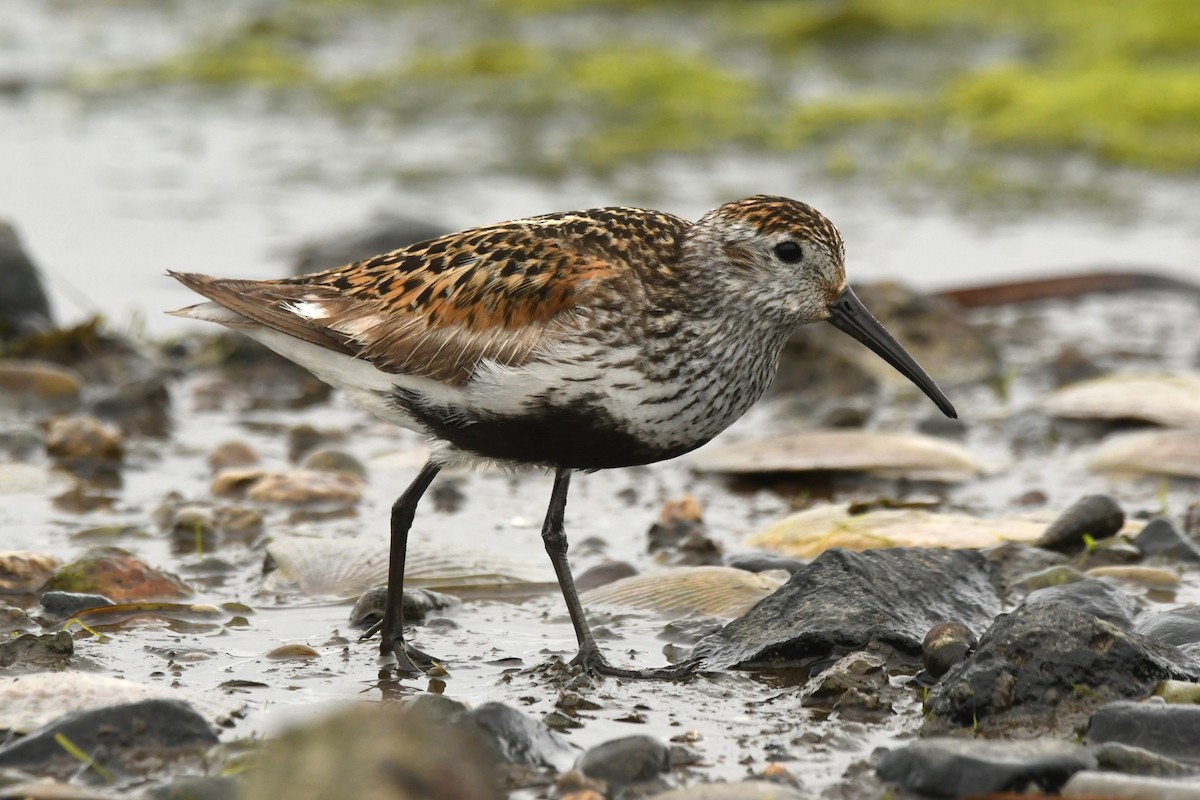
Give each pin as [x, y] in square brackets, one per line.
[1170, 400]
[1149, 453]
[346, 568]
[808, 533]
[887, 455]
[688, 591]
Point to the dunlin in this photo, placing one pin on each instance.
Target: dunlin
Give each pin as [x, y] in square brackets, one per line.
[576, 341]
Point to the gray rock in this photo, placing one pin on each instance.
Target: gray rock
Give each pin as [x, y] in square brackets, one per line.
[1095, 515]
[1048, 666]
[1113, 785]
[1093, 596]
[625, 761]
[62, 605]
[946, 767]
[844, 600]
[1139, 761]
[381, 236]
[24, 308]
[1161, 538]
[1164, 728]
[32, 652]
[418, 604]
[1177, 626]
[163, 729]
[197, 787]
[517, 738]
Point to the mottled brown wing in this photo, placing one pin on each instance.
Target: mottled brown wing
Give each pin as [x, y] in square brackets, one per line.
[440, 307]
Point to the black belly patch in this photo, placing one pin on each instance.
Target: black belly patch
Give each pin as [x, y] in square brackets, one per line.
[579, 436]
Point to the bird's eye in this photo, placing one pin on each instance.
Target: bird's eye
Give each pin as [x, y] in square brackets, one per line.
[789, 252]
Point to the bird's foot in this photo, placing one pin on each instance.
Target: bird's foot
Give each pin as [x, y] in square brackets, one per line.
[409, 659]
[593, 662]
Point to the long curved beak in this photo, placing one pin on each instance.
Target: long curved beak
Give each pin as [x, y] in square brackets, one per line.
[848, 314]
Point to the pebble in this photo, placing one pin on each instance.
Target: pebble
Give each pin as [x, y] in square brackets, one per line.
[946, 645]
[1168, 729]
[602, 574]
[118, 575]
[1138, 761]
[1176, 626]
[25, 571]
[1179, 692]
[327, 460]
[947, 767]
[137, 407]
[84, 443]
[517, 738]
[418, 604]
[15, 620]
[196, 787]
[1160, 537]
[294, 487]
[292, 652]
[1059, 575]
[625, 761]
[61, 605]
[856, 687]
[1091, 596]
[1097, 516]
[232, 454]
[37, 652]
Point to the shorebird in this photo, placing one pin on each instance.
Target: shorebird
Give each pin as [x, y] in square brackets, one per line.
[583, 340]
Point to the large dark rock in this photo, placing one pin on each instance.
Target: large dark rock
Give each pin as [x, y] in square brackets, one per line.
[1046, 667]
[947, 767]
[1093, 596]
[383, 235]
[844, 601]
[1166, 729]
[155, 730]
[24, 308]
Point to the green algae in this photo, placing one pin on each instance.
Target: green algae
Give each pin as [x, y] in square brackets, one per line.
[1113, 81]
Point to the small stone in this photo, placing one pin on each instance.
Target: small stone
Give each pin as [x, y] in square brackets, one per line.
[84, 442]
[326, 460]
[1092, 596]
[625, 761]
[1168, 729]
[62, 605]
[1096, 516]
[118, 575]
[679, 537]
[1059, 575]
[197, 787]
[747, 790]
[1179, 692]
[292, 652]
[418, 604]
[516, 738]
[24, 307]
[232, 454]
[138, 407]
[855, 686]
[37, 652]
[448, 497]
[964, 767]
[1161, 538]
[302, 487]
[1136, 761]
[14, 620]
[603, 574]
[557, 720]
[24, 571]
[945, 646]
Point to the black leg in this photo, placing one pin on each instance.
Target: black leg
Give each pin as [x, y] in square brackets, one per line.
[409, 659]
[555, 538]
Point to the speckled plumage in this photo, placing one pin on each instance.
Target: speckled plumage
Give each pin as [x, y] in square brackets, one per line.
[582, 340]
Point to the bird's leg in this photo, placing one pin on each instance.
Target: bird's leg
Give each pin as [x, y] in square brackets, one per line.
[391, 628]
[555, 538]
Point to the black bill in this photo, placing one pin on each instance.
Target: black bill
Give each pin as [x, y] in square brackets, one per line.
[848, 314]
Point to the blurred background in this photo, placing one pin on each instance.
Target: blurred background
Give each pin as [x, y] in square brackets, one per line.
[954, 143]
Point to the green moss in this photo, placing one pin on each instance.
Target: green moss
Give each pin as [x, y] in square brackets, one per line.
[1143, 115]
